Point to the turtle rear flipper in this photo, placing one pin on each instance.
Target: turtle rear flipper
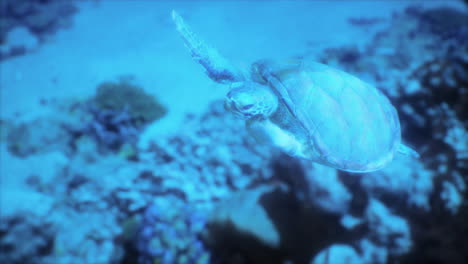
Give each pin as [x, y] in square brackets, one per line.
[217, 67]
[407, 151]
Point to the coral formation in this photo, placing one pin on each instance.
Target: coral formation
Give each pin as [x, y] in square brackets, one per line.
[18, 230]
[35, 19]
[127, 96]
[168, 234]
[112, 129]
[119, 112]
[38, 15]
[114, 117]
[38, 136]
[435, 21]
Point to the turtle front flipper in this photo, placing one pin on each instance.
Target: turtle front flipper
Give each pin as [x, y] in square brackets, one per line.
[217, 67]
[266, 132]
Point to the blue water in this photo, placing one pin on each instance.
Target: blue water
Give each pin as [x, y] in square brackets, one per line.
[118, 145]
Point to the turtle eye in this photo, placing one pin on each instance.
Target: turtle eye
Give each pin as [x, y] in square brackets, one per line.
[246, 107]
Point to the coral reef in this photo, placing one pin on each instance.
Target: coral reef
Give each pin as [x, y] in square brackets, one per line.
[21, 228]
[167, 196]
[38, 136]
[210, 194]
[124, 95]
[114, 118]
[38, 15]
[429, 89]
[31, 21]
[111, 128]
[168, 234]
[269, 224]
[435, 21]
[119, 111]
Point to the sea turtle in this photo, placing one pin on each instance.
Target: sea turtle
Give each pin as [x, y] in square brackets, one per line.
[307, 109]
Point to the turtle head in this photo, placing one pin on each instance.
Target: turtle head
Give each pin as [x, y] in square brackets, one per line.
[251, 100]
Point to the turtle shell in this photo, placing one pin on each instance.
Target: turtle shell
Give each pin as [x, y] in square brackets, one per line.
[352, 126]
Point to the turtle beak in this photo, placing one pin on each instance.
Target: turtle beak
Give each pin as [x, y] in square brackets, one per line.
[230, 105]
[227, 105]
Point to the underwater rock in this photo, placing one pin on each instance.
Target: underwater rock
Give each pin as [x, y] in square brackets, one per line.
[233, 230]
[243, 213]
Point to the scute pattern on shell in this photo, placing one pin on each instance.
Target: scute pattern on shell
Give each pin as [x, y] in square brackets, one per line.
[352, 125]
